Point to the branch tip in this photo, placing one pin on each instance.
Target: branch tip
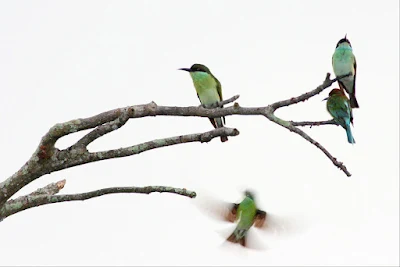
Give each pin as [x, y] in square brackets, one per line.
[61, 184]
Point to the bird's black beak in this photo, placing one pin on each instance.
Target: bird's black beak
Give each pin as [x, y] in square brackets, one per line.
[325, 99]
[185, 69]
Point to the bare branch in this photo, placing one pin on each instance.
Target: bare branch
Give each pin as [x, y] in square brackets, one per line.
[50, 189]
[29, 201]
[294, 100]
[136, 149]
[47, 158]
[227, 101]
[223, 102]
[314, 123]
[291, 128]
[67, 158]
[102, 130]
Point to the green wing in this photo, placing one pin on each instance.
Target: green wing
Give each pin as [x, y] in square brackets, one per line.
[340, 110]
[355, 74]
[219, 90]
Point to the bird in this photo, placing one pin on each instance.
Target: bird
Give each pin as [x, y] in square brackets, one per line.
[246, 214]
[344, 62]
[208, 90]
[338, 105]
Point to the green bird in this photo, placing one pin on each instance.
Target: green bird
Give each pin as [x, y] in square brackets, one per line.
[344, 62]
[246, 214]
[208, 90]
[338, 105]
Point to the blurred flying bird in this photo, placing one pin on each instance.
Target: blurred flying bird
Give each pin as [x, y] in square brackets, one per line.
[246, 214]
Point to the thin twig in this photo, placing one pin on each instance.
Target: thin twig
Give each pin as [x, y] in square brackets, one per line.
[296, 130]
[102, 130]
[313, 123]
[294, 100]
[223, 102]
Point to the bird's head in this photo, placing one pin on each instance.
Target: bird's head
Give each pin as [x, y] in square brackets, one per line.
[197, 68]
[335, 92]
[344, 42]
[249, 194]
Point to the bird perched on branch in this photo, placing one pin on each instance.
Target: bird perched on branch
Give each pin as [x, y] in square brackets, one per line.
[208, 90]
[338, 105]
[344, 62]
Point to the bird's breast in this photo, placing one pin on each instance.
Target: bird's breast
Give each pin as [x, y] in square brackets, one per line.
[342, 66]
[207, 95]
[206, 89]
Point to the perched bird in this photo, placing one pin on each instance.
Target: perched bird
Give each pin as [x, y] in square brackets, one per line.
[344, 62]
[246, 214]
[208, 90]
[338, 106]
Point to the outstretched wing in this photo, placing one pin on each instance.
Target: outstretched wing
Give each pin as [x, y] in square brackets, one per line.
[230, 216]
[214, 207]
[259, 219]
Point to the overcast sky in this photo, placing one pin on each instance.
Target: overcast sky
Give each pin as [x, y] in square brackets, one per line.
[62, 60]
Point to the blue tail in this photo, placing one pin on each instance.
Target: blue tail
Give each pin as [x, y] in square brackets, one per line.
[350, 137]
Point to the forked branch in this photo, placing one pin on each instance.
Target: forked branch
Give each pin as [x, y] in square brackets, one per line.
[47, 158]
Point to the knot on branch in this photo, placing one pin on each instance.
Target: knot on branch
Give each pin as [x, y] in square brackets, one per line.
[45, 152]
[208, 136]
[328, 77]
[151, 108]
[50, 189]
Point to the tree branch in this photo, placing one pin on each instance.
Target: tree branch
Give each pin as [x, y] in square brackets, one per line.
[35, 200]
[47, 158]
[291, 128]
[314, 123]
[36, 166]
[289, 125]
[102, 130]
[294, 100]
[136, 149]
[223, 102]
[50, 189]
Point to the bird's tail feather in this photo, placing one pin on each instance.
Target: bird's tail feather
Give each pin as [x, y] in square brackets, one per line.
[241, 240]
[350, 137]
[219, 124]
[353, 101]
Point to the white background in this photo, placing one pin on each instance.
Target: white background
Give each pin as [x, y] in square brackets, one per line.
[62, 60]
